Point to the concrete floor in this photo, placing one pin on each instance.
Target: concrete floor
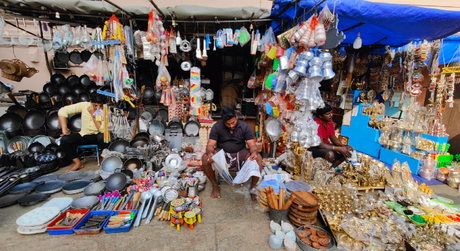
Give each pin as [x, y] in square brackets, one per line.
[233, 222]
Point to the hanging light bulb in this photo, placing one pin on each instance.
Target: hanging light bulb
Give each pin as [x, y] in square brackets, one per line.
[358, 42]
[57, 15]
[174, 24]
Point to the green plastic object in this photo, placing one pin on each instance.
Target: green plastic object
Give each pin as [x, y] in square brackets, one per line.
[417, 220]
[276, 62]
[268, 83]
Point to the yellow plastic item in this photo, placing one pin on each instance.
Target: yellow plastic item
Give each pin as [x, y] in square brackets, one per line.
[104, 31]
[129, 101]
[272, 52]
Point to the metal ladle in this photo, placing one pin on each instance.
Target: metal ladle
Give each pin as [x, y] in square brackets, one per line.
[144, 214]
[158, 197]
[144, 197]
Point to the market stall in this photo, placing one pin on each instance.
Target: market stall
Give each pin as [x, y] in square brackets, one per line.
[164, 82]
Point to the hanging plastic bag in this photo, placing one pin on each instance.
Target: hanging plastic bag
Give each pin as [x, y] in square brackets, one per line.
[77, 38]
[58, 43]
[236, 37]
[163, 78]
[151, 36]
[91, 67]
[229, 33]
[244, 37]
[252, 80]
[220, 39]
[172, 42]
[129, 40]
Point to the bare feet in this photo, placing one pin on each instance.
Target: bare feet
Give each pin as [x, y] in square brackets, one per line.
[215, 192]
[76, 167]
[253, 197]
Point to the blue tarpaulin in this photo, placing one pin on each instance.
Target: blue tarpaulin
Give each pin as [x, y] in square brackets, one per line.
[400, 24]
[450, 51]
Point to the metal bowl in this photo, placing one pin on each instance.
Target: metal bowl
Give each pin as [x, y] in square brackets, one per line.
[144, 135]
[75, 187]
[119, 145]
[95, 188]
[304, 247]
[74, 123]
[10, 122]
[36, 147]
[132, 164]
[138, 142]
[86, 202]
[110, 164]
[73, 79]
[34, 119]
[116, 181]
[52, 121]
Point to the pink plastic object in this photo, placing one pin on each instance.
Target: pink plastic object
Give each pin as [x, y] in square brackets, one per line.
[279, 52]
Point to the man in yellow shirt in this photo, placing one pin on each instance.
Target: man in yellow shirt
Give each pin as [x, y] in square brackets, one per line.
[91, 132]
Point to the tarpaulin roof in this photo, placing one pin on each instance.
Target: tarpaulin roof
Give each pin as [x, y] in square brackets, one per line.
[450, 51]
[400, 24]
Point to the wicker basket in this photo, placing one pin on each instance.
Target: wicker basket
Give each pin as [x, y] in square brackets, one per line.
[15, 70]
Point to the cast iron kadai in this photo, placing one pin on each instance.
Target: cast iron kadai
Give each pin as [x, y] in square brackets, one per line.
[75, 57]
[34, 119]
[73, 79]
[50, 88]
[111, 164]
[77, 89]
[83, 97]
[119, 145]
[175, 123]
[52, 121]
[163, 114]
[116, 181]
[44, 98]
[58, 79]
[92, 87]
[18, 109]
[85, 80]
[62, 57]
[85, 55]
[86, 202]
[63, 89]
[74, 123]
[36, 147]
[144, 135]
[32, 199]
[70, 98]
[10, 122]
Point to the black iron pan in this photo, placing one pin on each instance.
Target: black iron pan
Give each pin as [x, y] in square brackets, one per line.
[18, 109]
[75, 57]
[34, 119]
[58, 78]
[74, 123]
[62, 56]
[50, 88]
[85, 55]
[63, 88]
[10, 122]
[73, 79]
[77, 89]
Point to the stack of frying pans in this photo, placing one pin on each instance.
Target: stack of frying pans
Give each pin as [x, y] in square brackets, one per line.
[34, 123]
[61, 91]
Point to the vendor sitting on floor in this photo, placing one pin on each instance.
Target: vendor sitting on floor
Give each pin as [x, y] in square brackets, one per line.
[231, 135]
[334, 152]
[91, 132]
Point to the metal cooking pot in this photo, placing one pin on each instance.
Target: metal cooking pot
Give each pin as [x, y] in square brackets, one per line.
[192, 127]
[75, 57]
[116, 181]
[50, 88]
[132, 164]
[10, 122]
[77, 89]
[58, 78]
[138, 142]
[36, 147]
[163, 114]
[18, 109]
[63, 89]
[34, 119]
[111, 163]
[83, 97]
[52, 121]
[85, 55]
[91, 87]
[74, 123]
[73, 79]
[119, 145]
[70, 98]
[62, 159]
[144, 135]
[84, 80]
[54, 147]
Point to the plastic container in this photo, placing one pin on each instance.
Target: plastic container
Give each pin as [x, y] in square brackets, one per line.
[111, 230]
[61, 230]
[79, 231]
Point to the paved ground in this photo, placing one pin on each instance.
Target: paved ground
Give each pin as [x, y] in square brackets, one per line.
[233, 223]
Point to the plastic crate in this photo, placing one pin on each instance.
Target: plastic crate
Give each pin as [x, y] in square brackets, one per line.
[111, 230]
[79, 231]
[60, 230]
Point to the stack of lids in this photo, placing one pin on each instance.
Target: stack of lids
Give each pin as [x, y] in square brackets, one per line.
[304, 209]
[35, 221]
[62, 203]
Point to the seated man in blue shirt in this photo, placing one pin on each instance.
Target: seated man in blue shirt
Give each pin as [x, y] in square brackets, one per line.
[231, 135]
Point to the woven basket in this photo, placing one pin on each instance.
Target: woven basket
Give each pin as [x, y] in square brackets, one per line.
[16, 69]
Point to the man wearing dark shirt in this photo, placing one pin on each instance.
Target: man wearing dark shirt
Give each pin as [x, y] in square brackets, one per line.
[231, 135]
